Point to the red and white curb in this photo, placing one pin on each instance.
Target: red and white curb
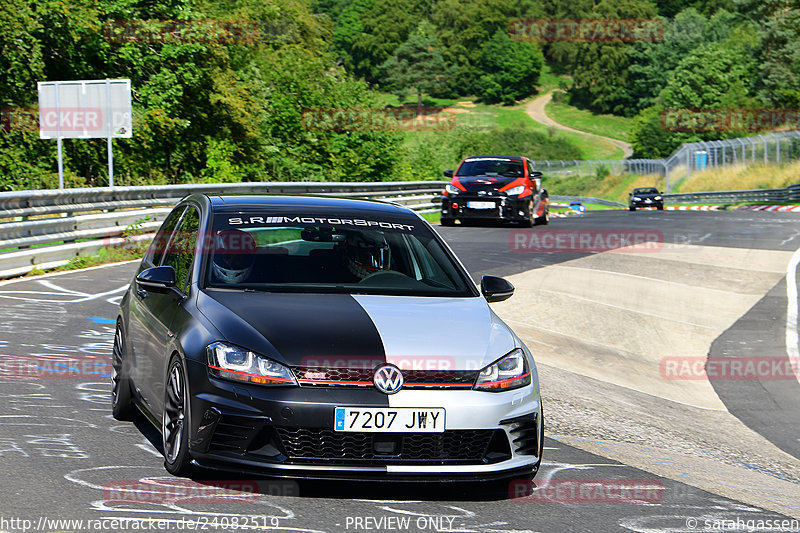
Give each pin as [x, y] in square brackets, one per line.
[771, 207]
[691, 207]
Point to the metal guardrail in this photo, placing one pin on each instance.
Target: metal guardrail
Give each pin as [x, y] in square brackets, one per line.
[770, 196]
[47, 228]
[586, 200]
[769, 148]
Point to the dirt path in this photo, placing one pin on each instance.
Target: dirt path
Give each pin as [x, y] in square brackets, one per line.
[536, 111]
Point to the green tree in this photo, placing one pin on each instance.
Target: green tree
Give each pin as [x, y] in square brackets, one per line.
[712, 76]
[649, 138]
[386, 25]
[778, 78]
[464, 26]
[510, 69]
[600, 75]
[417, 64]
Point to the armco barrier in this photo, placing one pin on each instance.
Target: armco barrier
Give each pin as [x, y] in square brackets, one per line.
[74, 222]
[789, 194]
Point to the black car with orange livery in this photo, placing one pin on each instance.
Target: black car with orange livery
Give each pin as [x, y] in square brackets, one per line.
[492, 187]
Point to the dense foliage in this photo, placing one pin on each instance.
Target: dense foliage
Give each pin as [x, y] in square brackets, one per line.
[227, 109]
[206, 109]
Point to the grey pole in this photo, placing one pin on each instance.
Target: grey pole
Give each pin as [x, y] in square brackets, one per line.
[58, 141]
[108, 125]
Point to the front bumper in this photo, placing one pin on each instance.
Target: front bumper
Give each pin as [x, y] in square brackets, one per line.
[643, 203]
[507, 208]
[289, 432]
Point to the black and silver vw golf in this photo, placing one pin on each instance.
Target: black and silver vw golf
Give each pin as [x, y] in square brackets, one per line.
[322, 337]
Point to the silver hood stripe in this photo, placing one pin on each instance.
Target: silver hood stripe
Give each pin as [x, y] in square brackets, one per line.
[426, 333]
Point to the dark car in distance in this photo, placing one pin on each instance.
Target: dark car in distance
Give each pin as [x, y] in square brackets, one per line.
[645, 197]
[322, 338]
[499, 188]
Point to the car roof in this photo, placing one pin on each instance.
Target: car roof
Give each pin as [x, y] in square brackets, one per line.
[319, 204]
[511, 157]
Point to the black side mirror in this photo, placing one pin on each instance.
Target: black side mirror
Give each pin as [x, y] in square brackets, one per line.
[496, 289]
[159, 279]
[448, 173]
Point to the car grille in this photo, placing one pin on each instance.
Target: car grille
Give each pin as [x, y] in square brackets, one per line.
[362, 377]
[453, 446]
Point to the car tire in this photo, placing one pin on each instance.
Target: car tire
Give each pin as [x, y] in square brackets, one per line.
[544, 219]
[175, 420]
[122, 407]
[660, 208]
[447, 222]
[631, 208]
[530, 220]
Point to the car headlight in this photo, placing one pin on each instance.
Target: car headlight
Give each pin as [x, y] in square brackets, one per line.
[237, 364]
[452, 189]
[513, 191]
[509, 372]
[637, 198]
[658, 198]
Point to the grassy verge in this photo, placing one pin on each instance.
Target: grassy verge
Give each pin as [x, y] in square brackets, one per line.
[483, 115]
[549, 81]
[432, 218]
[606, 125]
[739, 177]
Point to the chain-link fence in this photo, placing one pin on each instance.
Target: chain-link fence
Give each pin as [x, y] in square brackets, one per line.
[770, 148]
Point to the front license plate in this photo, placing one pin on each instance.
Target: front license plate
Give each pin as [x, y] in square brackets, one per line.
[384, 420]
[481, 205]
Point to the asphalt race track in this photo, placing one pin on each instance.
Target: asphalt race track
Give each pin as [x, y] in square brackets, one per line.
[629, 448]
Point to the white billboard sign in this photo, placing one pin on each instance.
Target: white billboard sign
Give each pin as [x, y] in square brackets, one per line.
[85, 109]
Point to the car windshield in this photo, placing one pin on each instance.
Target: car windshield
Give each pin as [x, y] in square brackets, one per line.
[266, 253]
[491, 167]
[647, 190]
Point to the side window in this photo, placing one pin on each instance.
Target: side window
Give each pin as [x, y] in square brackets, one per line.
[156, 249]
[530, 174]
[180, 253]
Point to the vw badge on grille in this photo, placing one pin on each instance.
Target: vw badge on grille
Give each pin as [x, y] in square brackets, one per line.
[388, 379]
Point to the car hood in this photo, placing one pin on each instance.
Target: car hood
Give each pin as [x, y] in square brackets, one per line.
[340, 330]
[485, 183]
